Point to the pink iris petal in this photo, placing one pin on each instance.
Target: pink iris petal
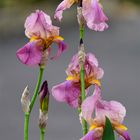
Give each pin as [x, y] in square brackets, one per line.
[66, 92]
[89, 104]
[39, 24]
[94, 15]
[91, 66]
[89, 136]
[65, 4]
[61, 48]
[30, 54]
[114, 110]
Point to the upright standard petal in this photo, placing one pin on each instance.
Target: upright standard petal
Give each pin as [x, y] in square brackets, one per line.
[89, 105]
[30, 54]
[66, 92]
[114, 110]
[65, 4]
[39, 25]
[94, 15]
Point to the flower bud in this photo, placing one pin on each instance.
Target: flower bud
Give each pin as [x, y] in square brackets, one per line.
[44, 97]
[25, 100]
[44, 103]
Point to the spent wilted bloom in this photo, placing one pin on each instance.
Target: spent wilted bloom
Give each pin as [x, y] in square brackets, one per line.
[25, 100]
[69, 90]
[92, 12]
[44, 104]
[113, 110]
[41, 32]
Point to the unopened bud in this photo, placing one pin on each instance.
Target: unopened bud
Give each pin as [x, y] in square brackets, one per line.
[25, 100]
[80, 17]
[43, 117]
[44, 97]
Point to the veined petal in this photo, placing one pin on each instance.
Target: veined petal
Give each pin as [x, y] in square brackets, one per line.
[114, 110]
[30, 54]
[65, 4]
[94, 15]
[61, 48]
[89, 105]
[67, 92]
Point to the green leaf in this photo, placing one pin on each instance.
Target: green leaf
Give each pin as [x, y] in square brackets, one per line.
[108, 133]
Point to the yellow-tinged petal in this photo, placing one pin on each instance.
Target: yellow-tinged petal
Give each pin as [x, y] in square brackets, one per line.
[59, 38]
[72, 78]
[120, 126]
[95, 81]
[92, 127]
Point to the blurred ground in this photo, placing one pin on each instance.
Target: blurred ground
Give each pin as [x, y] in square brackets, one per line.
[118, 51]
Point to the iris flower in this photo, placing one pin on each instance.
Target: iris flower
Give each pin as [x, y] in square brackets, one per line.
[114, 110]
[41, 32]
[91, 10]
[69, 90]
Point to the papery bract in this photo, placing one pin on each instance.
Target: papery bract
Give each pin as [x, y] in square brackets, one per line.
[41, 32]
[69, 90]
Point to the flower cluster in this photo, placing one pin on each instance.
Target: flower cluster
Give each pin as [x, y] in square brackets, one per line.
[83, 72]
[69, 92]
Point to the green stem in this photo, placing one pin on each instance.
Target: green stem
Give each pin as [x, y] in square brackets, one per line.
[26, 125]
[82, 79]
[81, 31]
[84, 123]
[27, 115]
[42, 133]
[36, 88]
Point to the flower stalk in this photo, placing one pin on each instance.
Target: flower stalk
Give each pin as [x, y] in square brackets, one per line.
[26, 125]
[36, 88]
[81, 62]
[27, 114]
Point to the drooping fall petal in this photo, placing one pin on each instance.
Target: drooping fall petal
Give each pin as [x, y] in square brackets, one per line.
[66, 92]
[30, 54]
[65, 4]
[61, 48]
[94, 15]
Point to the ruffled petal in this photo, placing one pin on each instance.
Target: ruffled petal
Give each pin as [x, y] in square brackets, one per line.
[30, 54]
[67, 92]
[89, 104]
[114, 110]
[65, 4]
[39, 25]
[61, 48]
[94, 15]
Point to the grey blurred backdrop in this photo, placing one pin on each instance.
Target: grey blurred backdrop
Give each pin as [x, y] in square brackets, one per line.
[118, 52]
